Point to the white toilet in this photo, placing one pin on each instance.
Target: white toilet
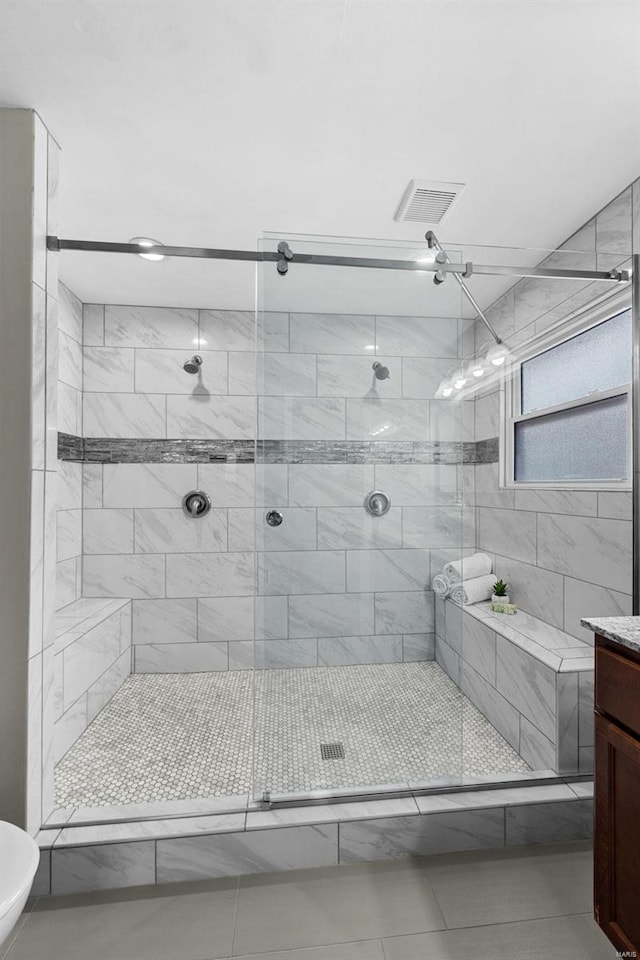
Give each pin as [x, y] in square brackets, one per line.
[19, 858]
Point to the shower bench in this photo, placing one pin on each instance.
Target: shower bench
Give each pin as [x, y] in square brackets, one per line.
[92, 658]
[531, 680]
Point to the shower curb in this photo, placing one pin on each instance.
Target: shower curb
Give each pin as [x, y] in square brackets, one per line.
[85, 857]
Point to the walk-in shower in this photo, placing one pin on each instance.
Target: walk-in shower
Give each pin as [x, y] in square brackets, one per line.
[272, 535]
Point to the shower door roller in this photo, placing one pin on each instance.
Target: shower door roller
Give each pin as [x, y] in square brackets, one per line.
[377, 503]
[196, 504]
[274, 518]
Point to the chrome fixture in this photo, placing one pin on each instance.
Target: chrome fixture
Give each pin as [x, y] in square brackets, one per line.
[382, 373]
[274, 518]
[285, 252]
[377, 503]
[148, 242]
[440, 276]
[196, 504]
[193, 365]
[284, 255]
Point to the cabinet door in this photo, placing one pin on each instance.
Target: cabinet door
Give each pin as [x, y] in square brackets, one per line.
[617, 835]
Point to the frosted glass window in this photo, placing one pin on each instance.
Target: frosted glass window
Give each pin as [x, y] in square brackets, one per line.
[598, 359]
[588, 442]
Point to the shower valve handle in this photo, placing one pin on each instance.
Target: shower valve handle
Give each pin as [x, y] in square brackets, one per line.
[377, 503]
[196, 504]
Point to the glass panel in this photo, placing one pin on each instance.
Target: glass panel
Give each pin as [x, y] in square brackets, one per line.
[598, 359]
[583, 443]
[157, 425]
[348, 694]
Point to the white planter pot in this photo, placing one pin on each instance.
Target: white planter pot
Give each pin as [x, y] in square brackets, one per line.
[496, 599]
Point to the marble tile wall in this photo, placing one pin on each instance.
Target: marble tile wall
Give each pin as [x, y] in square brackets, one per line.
[69, 480]
[191, 581]
[318, 384]
[561, 551]
[334, 585]
[565, 553]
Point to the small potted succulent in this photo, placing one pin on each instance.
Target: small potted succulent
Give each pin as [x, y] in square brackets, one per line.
[500, 592]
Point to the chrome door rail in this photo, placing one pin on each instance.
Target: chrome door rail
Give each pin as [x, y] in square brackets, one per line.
[316, 259]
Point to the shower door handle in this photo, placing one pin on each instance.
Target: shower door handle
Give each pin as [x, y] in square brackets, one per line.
[274, 518]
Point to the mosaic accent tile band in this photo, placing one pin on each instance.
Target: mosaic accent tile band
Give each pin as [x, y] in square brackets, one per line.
[70, 447]
[371, 451]
[486, 451]
[115, 450]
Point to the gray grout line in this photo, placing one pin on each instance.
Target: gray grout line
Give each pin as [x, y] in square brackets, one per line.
[235, 917]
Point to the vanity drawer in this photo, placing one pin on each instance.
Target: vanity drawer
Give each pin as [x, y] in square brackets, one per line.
[618, 688]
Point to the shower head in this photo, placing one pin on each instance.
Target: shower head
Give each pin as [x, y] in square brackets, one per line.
[382, 373]
[193, 365]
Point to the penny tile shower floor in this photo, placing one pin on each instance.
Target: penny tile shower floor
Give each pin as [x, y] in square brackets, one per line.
[178, 736]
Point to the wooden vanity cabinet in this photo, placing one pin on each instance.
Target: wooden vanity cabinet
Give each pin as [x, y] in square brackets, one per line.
[617, 794]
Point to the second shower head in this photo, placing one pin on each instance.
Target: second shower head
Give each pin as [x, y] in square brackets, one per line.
[381, 372]
[193, 364]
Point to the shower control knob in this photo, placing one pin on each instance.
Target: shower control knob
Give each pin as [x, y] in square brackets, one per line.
[196, 504]
[274, 518]
[377, 503]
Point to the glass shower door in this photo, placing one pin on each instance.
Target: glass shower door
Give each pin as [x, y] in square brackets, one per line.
[359, 503]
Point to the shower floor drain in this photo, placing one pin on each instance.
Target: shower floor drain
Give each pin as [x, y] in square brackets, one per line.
[332, 751]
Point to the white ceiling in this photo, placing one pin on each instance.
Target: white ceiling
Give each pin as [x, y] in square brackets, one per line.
[207, 122]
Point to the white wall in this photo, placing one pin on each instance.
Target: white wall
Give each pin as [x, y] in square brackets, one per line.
[28, 295]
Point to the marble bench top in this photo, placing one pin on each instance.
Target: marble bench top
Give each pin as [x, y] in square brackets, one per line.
[83, 615]
[622, 630]
[559, 650]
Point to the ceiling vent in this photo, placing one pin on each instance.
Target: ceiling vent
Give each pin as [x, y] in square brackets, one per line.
[428, 201]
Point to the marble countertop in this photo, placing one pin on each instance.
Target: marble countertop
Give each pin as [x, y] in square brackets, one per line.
[622, 630]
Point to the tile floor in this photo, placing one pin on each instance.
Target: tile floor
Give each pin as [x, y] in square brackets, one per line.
[178, 736]
[525, 903]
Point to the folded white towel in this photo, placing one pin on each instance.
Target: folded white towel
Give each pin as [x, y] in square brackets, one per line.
[473, 591]
[441, 585]
[468, 568]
